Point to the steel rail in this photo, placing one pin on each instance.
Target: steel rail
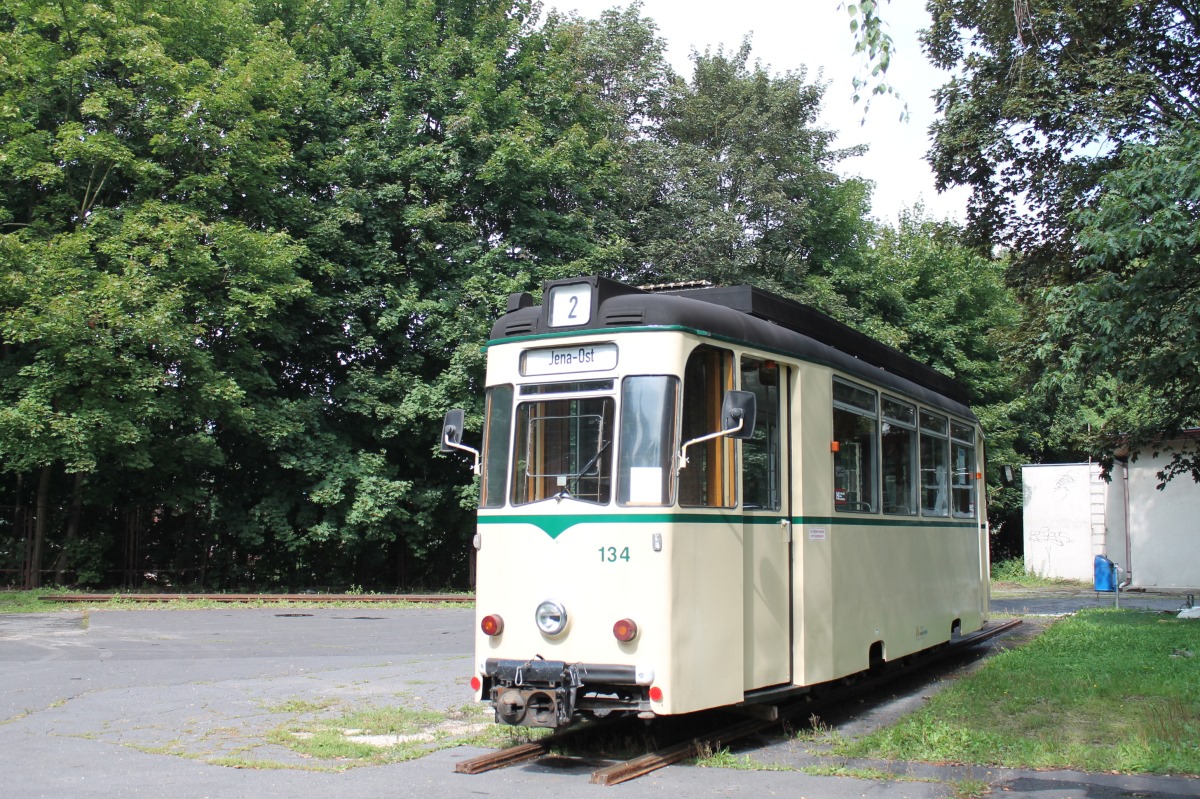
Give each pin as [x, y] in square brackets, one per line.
[247, 598]
[652, 761]
[534, 749]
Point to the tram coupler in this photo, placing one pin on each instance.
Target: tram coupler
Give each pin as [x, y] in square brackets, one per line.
[533, 693]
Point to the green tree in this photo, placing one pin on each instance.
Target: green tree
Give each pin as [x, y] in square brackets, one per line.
[268, 239]
[464, 153]
[926, 292]
[874, 44]
[1068, 121]
[1045, 99]
[251, 250]
[1123, 340]
[745, 183]
[138, 259]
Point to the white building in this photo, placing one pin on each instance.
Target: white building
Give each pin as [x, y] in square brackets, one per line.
[1072, 515]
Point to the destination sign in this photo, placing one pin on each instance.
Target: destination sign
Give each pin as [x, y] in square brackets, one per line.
[561, 360]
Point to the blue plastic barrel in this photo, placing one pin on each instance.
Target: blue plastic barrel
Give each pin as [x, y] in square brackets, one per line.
[1106, 574]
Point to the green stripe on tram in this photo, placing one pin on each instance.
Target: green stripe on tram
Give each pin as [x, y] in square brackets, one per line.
[555, 525]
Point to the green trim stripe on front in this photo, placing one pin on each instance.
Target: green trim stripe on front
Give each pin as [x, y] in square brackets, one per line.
[555, 525]
[605, 331]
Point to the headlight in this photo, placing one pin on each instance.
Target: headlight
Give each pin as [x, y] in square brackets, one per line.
[551, 617]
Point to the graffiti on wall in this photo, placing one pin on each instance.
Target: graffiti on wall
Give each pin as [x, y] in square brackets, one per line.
[1057, 521]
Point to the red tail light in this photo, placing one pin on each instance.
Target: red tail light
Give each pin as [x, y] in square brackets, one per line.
[476, 683]
[625, 630]
[492, 625]
[656, 694]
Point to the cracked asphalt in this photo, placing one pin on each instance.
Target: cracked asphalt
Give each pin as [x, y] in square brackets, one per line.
[180, 704]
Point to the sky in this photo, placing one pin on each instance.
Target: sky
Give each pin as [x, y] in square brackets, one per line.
[815, 34]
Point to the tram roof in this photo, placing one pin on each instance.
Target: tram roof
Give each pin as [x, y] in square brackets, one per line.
[744, 314]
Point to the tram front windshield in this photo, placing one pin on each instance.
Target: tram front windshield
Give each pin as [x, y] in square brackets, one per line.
[564, 449]
[564, 444]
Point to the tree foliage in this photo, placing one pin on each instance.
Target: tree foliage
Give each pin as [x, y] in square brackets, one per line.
[875, 46]
[1045, 99]
[251, 249]
[745, 184]
[142, 262]
[1126, 335]
[1074, 125]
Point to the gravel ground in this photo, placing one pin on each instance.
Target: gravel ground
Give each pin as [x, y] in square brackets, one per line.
[194, 703]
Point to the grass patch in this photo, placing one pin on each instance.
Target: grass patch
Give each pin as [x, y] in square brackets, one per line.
[264, 765]
[31, 602]
[856, 773]
[363, 737]
[970, 789]
[1105, 690]
[301, 706]
[709, 757]
[375, 736]
[1013, 572]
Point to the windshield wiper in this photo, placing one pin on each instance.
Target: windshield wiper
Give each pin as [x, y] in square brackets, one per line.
[584, 471]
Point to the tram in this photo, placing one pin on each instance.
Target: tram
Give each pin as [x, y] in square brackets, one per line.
[710, 496]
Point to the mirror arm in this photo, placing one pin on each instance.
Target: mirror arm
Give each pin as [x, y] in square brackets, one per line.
[683, 461]
[446, 440]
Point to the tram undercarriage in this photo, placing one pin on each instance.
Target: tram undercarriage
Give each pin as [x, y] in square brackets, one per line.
[550, 693]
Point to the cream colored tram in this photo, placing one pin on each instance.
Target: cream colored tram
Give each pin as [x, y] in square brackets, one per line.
[638, 554]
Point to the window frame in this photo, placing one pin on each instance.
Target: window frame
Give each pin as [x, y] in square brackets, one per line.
[493, 488]
[848, 406]
[525, 488]
[768, 431]
[714, 460]
[940, 435]
[669, 442]
[910, 427]
[959, 442]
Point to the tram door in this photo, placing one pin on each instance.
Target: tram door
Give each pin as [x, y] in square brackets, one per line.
[766, 561]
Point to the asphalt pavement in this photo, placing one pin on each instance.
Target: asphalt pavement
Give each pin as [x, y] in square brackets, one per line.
[190, 704]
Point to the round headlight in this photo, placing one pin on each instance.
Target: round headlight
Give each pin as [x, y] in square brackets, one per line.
[551, 617]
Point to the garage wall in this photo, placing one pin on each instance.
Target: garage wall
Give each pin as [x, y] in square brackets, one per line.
[1164, 527]
[1058, 520]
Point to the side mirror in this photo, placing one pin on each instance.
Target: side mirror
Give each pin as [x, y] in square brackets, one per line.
[452, 432]
[452, 429]
[738, 412]
[1007, 477]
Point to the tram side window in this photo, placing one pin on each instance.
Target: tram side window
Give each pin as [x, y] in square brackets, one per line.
[564, 448]
[899, 460]
[962, 457]
[497, 433]
[761, 483]
[935, 478]
[855, 426]
[645, 465]
[708, 479]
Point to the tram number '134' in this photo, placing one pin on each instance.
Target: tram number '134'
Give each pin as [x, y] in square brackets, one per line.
[612, 554]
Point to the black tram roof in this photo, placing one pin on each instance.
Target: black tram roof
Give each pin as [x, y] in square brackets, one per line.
[747, 315]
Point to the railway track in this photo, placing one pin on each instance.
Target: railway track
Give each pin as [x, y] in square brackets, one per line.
[717, 736]
[248, 598]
